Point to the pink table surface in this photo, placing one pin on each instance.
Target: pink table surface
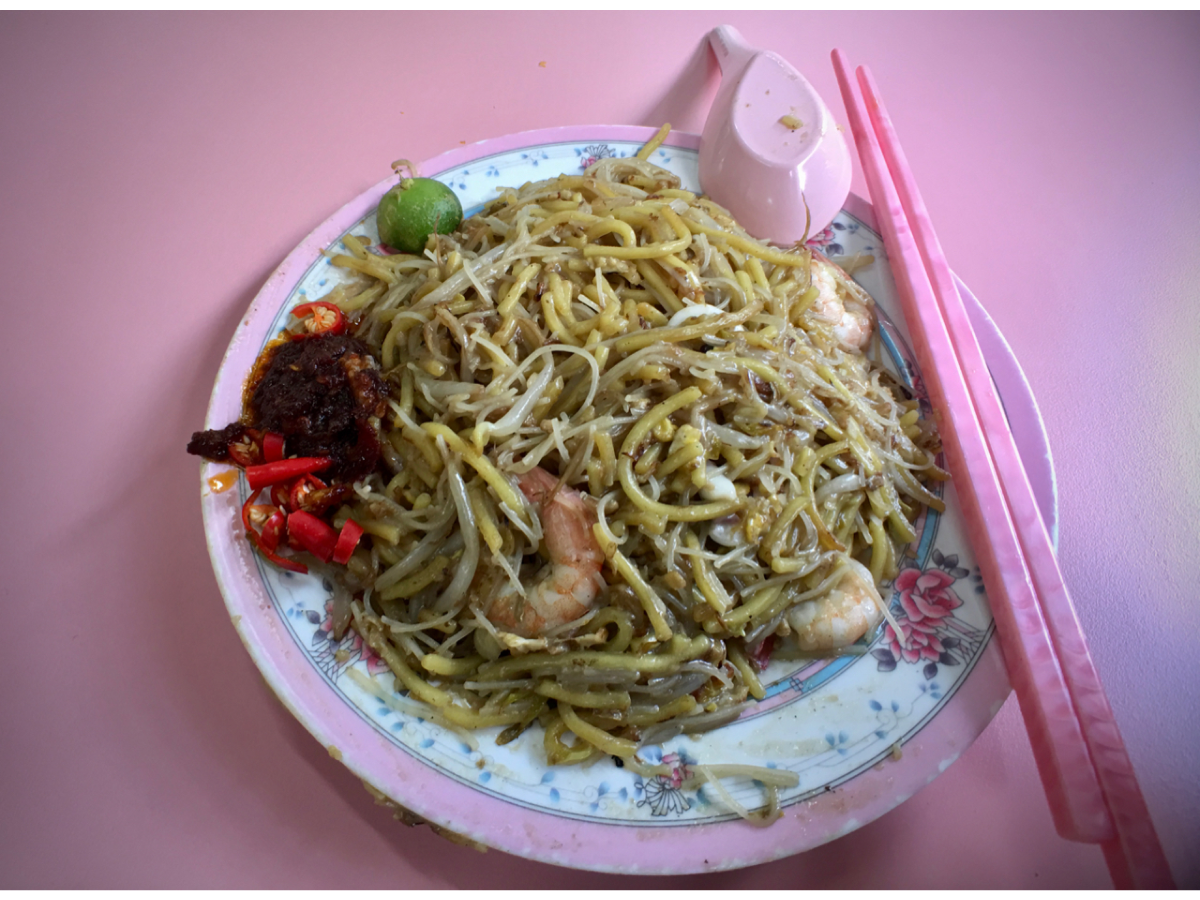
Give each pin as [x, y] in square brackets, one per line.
[155, 168]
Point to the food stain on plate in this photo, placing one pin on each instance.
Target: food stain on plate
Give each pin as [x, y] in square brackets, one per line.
[222, 481]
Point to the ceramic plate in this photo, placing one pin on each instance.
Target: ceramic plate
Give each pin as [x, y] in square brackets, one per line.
[862, 732]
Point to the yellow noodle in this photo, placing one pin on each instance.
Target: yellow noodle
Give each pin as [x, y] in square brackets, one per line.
[698, 512]
[711, 325]
[517, 291]
[444, 665]
[558, 752]
[484, 519]
[680, 649]
[738, 658]
[656, 611]
[751, 247]
[417, 686]
[680, 706]
[597, 737]
[469, 718]
[587, 699]
[710, 586]
[646, 423]
[655, 142]
[417, 582]
[480, 464]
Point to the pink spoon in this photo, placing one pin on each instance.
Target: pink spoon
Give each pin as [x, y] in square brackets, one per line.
[754, 158]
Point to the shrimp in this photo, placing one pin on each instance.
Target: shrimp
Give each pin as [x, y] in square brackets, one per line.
[850, 318]
[568, 587]
[853, 608]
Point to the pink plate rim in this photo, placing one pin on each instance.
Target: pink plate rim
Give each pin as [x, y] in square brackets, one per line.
[479, 817]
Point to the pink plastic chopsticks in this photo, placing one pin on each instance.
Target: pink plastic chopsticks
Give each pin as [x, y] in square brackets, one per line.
[1088, 778]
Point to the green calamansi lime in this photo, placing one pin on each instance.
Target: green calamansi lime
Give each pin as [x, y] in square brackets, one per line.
[415, 209]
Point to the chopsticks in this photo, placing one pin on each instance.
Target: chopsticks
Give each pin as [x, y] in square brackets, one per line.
[1086, 773]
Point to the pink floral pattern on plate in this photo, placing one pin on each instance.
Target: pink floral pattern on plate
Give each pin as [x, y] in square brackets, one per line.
[925, 605]
[333, 656]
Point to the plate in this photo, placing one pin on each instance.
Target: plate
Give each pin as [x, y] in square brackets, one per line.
[863, 732]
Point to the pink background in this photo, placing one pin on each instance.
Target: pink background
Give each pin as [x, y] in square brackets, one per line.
[155, 168]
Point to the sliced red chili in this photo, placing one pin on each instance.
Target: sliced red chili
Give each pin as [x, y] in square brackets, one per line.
[285, 470]
[247, 450]
[320, 501]
[312, 534]
[244, 453]
[292, 541]
[272, 531]
[246, 507]
[280, 495]
[282, 561]
[258, 513]
[256, 541]
[322, 318]
[347, 540]
[272, 446]
[301, 488]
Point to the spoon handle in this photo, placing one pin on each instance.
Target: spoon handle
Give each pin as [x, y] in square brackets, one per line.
[731, 49]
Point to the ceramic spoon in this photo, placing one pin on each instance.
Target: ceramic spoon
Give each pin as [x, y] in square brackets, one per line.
[770, 145]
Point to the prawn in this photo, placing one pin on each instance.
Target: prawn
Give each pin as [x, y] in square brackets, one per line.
[851, 317]
[851, 609]
[569, 585]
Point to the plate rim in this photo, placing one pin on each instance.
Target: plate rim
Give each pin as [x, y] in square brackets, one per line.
[626, 848]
